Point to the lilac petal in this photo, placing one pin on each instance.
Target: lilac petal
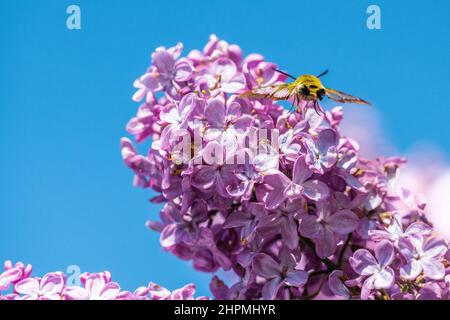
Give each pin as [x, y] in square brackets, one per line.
[296, 278]
[176, 50]
[170, 114]
[184, 293]
[406, 248]
[301, 171]
[276, 196]
[431, 291]
[110, 291]
[245, 258]
[270, 289]
[215, 113]
[367, 287]
[187, 236]
[52, 283]
[243, 189]
[433, 269]
[164, 61]
[411, 269]
[243, 123]
[205, 177]
[168, 236]
[225, 68]
[151, 82]
[384, 252]
[293, 191]
[274, 199]
[434, 248]
[157, 292]
[289, 233]
[266, 161]
[330, 158]
[199, 211]
[236, 220]
[9, 276]
[126, 295]
[309, 227]
[94, 285]
[265, 266]
[287, 258]
[183, 71]
[315, 190]
[384, 279]
[213, 134]
[325, 243]
[380, 235]
[327, 139]
[419, 228]
[76, 293]
[363, 262]
[352, 181]
[235, 85]
[337, 286]
[234, 110]
[269, 225]
[342, 221]
[189, 105]
[29, 286]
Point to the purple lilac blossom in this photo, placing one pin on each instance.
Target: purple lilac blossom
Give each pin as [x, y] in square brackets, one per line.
[301, 216]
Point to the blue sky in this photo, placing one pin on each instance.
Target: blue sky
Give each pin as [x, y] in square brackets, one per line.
[65, 196]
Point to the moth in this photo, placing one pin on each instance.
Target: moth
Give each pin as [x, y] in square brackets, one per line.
[304, 88]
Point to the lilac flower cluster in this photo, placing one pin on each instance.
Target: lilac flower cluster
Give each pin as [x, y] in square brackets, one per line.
[17, 282]
[295, 212]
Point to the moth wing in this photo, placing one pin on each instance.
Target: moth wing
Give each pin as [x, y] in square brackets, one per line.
[343, 97]
[275, 92]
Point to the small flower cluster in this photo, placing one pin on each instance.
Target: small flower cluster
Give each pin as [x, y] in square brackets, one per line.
[296, 214]
[94, 286]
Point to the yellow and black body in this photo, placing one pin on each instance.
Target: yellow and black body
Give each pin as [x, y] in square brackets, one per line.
[304, 88]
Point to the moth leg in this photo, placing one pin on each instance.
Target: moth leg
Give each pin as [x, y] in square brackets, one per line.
[293, 103]
[299, 100]
[316, 107]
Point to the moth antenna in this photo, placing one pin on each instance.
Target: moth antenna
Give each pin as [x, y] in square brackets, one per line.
[323, 73]
[286, 74]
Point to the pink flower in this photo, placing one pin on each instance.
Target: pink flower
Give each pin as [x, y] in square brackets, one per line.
[13, 274]
[423, 255]
[165, 73]
[48, 288]
[337, 286]
[300, 186]
[376, 269]
[223, 75]
[278, 274]
[394, 231]
[325, 227]
[97, 286]
[322, 154]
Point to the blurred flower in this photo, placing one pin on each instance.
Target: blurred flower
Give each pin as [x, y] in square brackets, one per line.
[95, 286]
